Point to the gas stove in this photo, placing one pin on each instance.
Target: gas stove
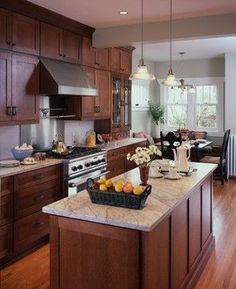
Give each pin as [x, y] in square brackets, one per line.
[79, 164]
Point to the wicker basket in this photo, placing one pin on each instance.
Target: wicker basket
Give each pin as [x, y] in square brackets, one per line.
[112, 198]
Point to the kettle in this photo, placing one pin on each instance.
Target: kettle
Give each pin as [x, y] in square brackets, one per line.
[181, 157]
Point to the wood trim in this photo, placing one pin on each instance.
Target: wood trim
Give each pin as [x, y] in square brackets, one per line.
[54, 253]
[42, 14]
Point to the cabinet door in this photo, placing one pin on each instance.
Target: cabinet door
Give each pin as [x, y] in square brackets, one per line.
[126, 104]
[116, 101]
[25, 85]
[5, 87]
[206, 210]
[125, 62]
[103, 98]
[6, 203]
[72, 47]
[114, 59]
[88, 102]
[51, 41]
[88, 53]
[25, 34]
[102, 58]
[6, 240]
[5, 29]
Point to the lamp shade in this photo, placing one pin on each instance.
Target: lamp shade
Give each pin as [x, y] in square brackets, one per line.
[141, 73]
[170, 79]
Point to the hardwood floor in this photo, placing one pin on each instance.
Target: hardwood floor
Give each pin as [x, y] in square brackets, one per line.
[32, 272]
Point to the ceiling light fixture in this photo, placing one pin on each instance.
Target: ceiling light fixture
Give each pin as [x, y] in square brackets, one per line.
[170, 79]
[142, 72]
[123, 12]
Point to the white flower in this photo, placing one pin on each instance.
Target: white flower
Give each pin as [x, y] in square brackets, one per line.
[138, 150]
[128, 156]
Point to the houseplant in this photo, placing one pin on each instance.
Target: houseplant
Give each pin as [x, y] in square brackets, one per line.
[143, 157]
[157, 112]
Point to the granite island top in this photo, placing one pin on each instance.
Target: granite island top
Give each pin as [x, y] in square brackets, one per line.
[165, 195]
[6, 172]
[122, 142]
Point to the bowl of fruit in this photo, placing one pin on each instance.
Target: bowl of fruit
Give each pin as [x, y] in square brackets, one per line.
[117, 194]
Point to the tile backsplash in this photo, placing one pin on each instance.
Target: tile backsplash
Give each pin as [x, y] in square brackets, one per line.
[9, 137]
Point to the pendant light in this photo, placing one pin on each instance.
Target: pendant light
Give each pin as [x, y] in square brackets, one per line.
[142, 72]
[182, 86]
[170, 79]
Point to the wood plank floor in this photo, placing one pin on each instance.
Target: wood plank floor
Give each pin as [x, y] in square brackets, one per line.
[32, 272]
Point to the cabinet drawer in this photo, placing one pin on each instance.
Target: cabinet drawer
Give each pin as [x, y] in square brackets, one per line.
[6, 186]
[29, 230]
[36, 177]
[5, 242]
[116, 167]
[31, 200]
[131, 148]
[116, 154]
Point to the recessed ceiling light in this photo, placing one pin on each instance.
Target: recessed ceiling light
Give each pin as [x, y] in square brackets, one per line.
[123, 12]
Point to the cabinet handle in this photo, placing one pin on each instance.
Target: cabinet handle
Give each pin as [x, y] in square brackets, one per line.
[97, 63]
[38, 224]
[8, 42]
[13, 44]
[40, 197]
[38, 176]
[60, 54]
[99, 109]
[64, 55]
[14, 110]
[9, 110]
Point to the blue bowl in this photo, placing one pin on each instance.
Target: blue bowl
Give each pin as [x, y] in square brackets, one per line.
[20, 155]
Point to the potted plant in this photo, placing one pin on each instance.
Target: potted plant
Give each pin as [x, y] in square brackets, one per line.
[157, 111]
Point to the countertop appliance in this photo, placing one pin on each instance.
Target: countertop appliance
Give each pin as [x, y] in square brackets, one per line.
[79, 164]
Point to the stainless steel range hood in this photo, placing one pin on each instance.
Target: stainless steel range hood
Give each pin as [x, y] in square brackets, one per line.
[61, 78]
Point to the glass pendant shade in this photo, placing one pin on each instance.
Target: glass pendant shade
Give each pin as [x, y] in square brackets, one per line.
[142, 72]
[191, 89]
[170, 79]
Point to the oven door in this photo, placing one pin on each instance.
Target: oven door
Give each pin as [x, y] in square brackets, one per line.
[78, 184]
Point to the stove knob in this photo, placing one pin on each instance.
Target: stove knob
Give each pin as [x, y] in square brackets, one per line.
[87, 164]
[80, 167]
[103, 160]
[74, 169]
[99, 161]
[93, 163]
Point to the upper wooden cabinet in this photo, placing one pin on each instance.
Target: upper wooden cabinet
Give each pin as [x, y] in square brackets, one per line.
[60, 44]
[19, 33]
[120, 60]
[19, 92]
[95, 57]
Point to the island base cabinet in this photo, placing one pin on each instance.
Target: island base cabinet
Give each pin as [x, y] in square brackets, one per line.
[171, 255]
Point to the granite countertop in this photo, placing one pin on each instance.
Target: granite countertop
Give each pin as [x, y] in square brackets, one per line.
[166, 194]
[5, 172]
[122, 142]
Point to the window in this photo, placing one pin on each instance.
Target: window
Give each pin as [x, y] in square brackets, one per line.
[202, 110]
[140, 94]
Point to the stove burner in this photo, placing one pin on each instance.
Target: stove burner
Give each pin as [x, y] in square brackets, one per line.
[73, 153]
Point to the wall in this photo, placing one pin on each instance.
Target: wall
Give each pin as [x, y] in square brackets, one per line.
[9, 137]
[141, 120]
[230, 94]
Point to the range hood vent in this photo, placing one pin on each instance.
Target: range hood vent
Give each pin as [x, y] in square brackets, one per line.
[61, 78]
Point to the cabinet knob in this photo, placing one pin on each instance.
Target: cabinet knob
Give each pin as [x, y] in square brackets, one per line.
[39, 176]
[38, 224]
[8, 42]
[13, 44]
[9, 110]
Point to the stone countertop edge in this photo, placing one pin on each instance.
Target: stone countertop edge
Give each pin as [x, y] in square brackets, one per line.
[7, 172]
[158, 206]
[121, 143]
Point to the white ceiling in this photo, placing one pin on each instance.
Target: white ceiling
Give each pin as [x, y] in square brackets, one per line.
[195, 49]
[104, 13]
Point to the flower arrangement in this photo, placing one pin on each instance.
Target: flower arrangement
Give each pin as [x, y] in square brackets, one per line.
[143, 156]
[157, 112]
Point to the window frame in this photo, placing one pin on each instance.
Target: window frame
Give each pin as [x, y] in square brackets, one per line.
[192, 105]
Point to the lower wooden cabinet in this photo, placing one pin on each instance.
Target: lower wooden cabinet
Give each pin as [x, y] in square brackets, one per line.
[29, 230]
[6, 241]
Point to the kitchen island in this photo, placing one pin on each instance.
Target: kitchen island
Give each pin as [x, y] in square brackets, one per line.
[164, 245]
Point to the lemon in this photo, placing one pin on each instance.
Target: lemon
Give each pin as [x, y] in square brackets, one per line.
[137, 190]
[119, 187]
[102, 181]
[102, 187]
[119, 182]
[109, 183]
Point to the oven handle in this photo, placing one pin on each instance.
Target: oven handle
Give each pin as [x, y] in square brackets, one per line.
[72, 185]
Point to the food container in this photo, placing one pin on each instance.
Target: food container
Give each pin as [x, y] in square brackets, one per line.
[113, 198]
[91, 139]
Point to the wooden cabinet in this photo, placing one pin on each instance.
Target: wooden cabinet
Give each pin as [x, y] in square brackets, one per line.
[117, 162]
[19, 33]
[95, 57]
[206, 211]
[96, 107]
[60, 44]
[19, 92]
[6, 219]
[120, 60]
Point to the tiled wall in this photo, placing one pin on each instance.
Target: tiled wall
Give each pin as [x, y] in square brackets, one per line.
[9, 137]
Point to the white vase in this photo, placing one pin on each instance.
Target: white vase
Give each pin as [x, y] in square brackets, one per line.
[156, 131]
